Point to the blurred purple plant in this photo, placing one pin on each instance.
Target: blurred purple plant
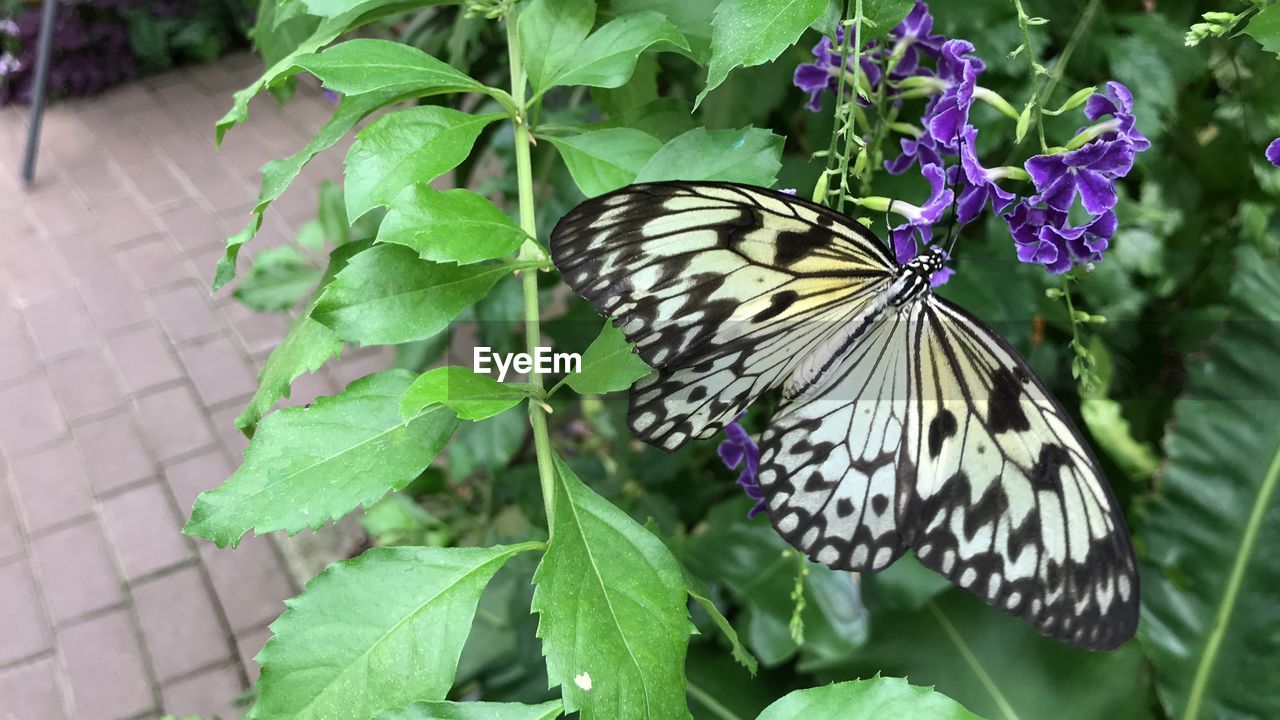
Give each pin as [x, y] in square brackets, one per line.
[1273, 152]
[740, 449]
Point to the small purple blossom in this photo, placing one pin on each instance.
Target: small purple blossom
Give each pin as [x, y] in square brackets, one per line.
[1117, 102]
[980, 185]
[1273, 152]
[1044, 236]
[918, 230]
[1090, 172]
[740, 449]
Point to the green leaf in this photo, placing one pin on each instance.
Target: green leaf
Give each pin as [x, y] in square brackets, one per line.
[884, 16]
[999, 666]
[906, 584]
[551, 32]
[387, 295]
[335, 8]
[375, 632]
[278, 279]
[471, 395]
[701, 595]
[609, 364]
[692, 18]
[366, 65]
[279, 173]
[414, 145]
[608, 57]
[750, 155]
[307, 465]
[474, 711]
[489, 444]
[613, 619]
[1107, 425]
[753, 32]
[305, 348]
[1209, 609]
[878, 697]
[450, 226]
[1265, 28]
[353, 16]
[604, 160]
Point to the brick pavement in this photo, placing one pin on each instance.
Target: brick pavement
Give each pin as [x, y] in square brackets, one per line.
[119, 380]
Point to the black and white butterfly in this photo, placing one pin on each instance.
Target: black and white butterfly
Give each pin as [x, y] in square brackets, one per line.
[905, 421]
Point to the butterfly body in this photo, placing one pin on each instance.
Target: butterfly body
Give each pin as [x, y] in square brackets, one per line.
[905, 422]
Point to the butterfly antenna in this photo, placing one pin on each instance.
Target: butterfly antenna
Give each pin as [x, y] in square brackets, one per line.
[953, 231]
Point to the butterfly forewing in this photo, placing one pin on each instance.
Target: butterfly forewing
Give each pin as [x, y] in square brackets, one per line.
[723, 288]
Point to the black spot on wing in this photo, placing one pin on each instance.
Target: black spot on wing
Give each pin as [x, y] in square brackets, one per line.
[941, 427]
[1045, 473]
[1005, 403]
[778, 304]
[793, 246]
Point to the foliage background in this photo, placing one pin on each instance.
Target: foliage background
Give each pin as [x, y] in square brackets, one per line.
[1185, 412]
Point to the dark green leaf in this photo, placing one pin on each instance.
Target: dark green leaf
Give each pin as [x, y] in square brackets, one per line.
[906, 584]
[387, 294]
[308, 465]
[614, 624]
[698, 591]
[608, 57]
[753, 32]
[551, 32]
[878, 697]
[884, 16]
[489, 444]
[605, 160]
[749, 156]
[471, 395]
[474, 711]
[609, 364]
[414, 145]
[450, 226]
[1209, 602]
[278, 279]
[375, 632]
[1265, 28]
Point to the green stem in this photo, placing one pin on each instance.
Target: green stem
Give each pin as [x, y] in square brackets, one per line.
[850, 125]
[972, 661]
[1036, 68]
[1060, 63]
[530, 252]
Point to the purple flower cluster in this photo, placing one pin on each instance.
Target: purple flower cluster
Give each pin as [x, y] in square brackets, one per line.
[1040, 225]
[740, 449]
[1273, 152]
[945, 149]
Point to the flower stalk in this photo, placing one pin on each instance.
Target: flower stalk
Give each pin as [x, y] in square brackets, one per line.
[530, 252]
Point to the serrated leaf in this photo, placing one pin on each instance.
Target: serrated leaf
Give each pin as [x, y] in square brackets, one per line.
[611, 602]
[278, 279]
[1265, 28]
[609, 363]
[753, 32]
[375, 632]
[551, 33]
[1208, 603]
[308, 465]
[368, 65]
[751, 156]
[469, 394]
[604, 160]
[449, 226]
[352, 16]
[878, 697]
[387, 295]
[608, 57]
[700, 594]
[414, 145]
[474, 711]
[305, 348]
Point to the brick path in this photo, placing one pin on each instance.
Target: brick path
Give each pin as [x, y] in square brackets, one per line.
[120, 378]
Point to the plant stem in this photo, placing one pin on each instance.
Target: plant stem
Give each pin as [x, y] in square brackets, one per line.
[529, 252]
[849, 126]
[1036, 68]
[1060, 62]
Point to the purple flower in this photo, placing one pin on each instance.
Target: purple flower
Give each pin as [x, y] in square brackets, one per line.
[916, 30]
[1090, 171]
[1117, 102]
[979, 183]
[1043, 235]
[740, 449]
[1273, 152]
[923, 148]
[948, 114]
[918, 230]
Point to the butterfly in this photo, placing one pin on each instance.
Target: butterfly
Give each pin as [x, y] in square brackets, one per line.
[905, 422]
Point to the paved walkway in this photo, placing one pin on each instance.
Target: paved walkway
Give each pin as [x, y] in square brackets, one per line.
[120, 378]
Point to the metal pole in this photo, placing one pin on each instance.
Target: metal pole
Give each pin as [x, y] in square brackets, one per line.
[44, 52]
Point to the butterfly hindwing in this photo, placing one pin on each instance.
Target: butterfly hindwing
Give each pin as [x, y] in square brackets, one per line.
[723, 288]
[1009, 503]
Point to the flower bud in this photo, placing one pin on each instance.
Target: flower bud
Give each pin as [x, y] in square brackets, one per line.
[876, 203]
[996, 101]
[820, 189]
[1024, 124]
[1076, 100]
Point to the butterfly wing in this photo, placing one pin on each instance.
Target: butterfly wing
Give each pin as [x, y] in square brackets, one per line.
[991, 483]
[723, 288]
